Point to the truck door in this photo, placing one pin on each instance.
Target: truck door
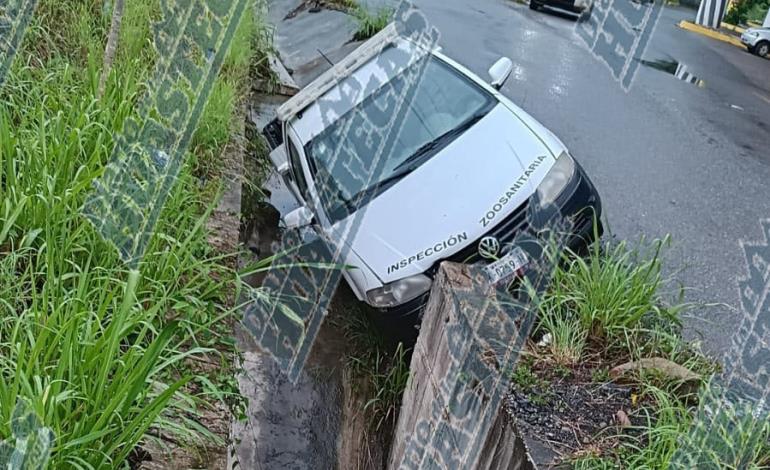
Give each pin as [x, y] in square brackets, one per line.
[296, 175]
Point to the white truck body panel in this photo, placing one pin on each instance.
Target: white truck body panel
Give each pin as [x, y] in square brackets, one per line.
[450, 196]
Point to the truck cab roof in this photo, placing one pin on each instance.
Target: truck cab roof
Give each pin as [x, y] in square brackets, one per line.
[349, 91]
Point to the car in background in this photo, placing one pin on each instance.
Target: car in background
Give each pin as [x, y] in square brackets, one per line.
[581, 7]
[757, 41]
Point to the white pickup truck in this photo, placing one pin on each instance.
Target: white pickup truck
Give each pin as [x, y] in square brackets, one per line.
[453, 179]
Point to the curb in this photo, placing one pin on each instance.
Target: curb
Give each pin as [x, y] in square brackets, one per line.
[713, 34]
[732, 27]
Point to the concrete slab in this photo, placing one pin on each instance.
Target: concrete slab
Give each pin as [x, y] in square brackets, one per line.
[262, 108]
[298, 40]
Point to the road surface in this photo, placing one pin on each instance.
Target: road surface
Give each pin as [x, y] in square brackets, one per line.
[667, 157]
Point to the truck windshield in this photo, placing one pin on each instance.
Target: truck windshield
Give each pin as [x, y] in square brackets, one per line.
[391, 133]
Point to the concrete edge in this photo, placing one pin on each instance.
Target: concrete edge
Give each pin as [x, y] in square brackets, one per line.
[732, 27]
[708, 32]
[286, 84]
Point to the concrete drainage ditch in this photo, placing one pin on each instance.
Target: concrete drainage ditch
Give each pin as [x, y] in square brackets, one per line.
[319, 421]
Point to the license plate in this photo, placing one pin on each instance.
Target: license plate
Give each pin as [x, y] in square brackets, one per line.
[507, 266]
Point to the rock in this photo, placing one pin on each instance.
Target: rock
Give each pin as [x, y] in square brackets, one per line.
[622, 418]
[670, 369]
[545, 341]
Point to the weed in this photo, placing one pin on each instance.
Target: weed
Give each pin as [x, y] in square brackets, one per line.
[611, 297]
[669, 437]
[652, 444]
[378, 375]
[561, 371]
[600, 375]
[734, 432]
[525, 378]
[611, 300]
[387, 379]
[567, 336]
[370, 23]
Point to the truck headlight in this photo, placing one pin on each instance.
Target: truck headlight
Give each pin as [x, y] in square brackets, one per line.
[556, 179]
[399, 292]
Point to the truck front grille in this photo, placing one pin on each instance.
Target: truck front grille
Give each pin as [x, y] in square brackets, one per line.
[505, 232]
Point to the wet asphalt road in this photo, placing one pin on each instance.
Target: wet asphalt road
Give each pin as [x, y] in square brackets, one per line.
[667, 157]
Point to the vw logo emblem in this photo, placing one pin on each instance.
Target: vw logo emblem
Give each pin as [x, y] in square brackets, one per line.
[489, 247]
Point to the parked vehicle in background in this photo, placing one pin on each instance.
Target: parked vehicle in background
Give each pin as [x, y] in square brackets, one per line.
[757, 41]
[581, 7]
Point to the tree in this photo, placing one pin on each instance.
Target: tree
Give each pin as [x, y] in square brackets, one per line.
[112, 45]
[747, 10]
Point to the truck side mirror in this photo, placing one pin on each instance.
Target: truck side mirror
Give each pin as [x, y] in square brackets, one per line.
[500, 71]
[299, 217]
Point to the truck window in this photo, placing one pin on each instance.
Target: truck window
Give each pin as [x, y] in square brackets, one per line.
[443, 104]
[296, 169]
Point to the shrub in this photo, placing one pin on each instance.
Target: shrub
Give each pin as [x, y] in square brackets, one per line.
[747, 10]
[610, 297]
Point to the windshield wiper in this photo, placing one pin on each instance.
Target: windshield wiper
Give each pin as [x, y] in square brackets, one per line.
[380, 185]
[440, 140]
[404, 168]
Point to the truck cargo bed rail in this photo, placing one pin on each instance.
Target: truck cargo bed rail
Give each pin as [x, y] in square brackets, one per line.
[340, 70]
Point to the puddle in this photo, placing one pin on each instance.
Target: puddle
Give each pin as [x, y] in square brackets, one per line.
[675, 68]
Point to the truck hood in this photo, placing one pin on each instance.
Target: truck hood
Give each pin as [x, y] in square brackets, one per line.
[450, 201]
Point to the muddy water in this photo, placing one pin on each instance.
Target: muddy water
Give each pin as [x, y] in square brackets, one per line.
[317, 423]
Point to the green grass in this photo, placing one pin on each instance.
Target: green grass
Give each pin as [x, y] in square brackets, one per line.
[668, 430]
[370, 23]
[387, 377]
[613, 304]
[566, 334]
[99, 351]
[653, 443]
[612, 297]
[525, 378]
[379, 375]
